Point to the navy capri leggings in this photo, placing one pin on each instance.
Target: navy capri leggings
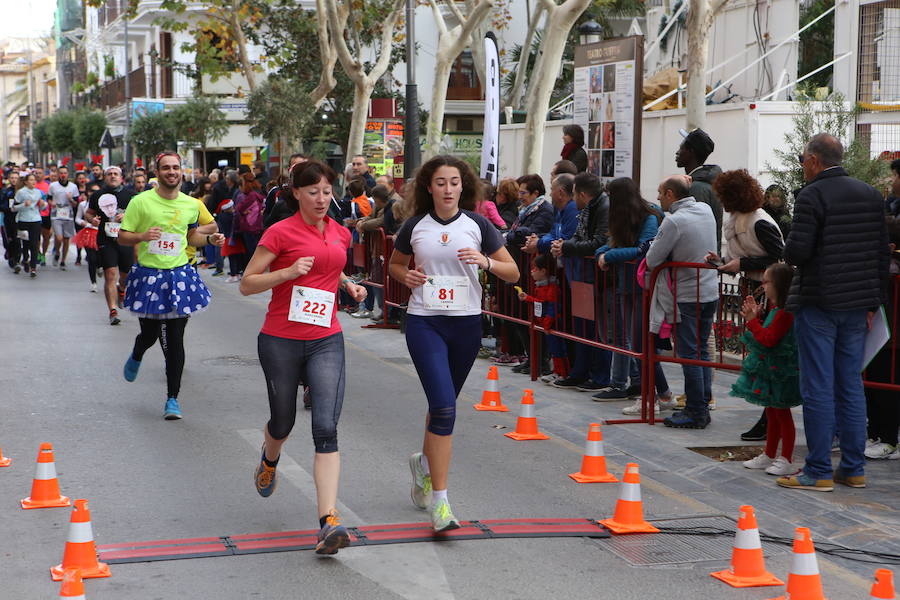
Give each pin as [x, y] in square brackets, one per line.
[286, 364]
[443, 349]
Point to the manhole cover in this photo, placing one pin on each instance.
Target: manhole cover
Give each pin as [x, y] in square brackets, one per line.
[232, 361]
[675, 549]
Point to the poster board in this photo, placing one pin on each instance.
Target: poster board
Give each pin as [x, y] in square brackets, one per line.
[382, 143]
[607, 105]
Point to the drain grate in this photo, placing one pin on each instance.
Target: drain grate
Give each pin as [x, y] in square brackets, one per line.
[674, 549]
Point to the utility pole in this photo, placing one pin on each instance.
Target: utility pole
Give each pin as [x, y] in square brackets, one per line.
[412, 155]
[31, 107]
[127, 91]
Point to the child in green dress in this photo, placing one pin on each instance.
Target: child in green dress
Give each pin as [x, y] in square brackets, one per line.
[769, 375]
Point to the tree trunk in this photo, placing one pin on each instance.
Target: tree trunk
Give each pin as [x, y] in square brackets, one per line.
[362, 92]
[328, 53]
[543, 78]
[701, 15]
[438, 104]
[243, 56]
[515, 96]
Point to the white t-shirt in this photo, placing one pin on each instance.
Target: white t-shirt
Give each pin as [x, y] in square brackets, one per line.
[60, 205]
[434, 244]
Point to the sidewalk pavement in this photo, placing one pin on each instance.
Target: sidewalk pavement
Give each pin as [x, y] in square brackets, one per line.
[865, 519]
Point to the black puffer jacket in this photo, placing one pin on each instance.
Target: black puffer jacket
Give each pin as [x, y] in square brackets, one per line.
[702, 191]
[839, 244]
[592, 231]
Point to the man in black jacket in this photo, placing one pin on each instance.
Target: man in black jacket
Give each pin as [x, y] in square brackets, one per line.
[691, 156]
[839, 244]
[590, 372]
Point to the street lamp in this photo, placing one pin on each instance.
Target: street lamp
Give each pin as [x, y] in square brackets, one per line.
[590, 31]
[411, 151]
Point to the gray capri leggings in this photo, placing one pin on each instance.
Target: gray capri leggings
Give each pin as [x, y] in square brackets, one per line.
[320, 364]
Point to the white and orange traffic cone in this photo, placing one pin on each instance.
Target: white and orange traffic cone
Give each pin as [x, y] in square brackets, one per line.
[527, 425]
[490, 397]
[45, 487]
[72, 585]
[4, 460]
[804, 582]
[593, 464]
[748, 567]
[883, 588]
[629, 516]
[80, 552]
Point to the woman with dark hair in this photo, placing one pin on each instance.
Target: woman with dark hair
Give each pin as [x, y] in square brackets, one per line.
[632, 223]
[573, 147]
[507, 199]
[248, 208]
[450, 242]
[301, 259]
[753, 242]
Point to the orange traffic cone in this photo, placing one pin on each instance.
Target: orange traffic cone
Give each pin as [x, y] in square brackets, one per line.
[80, 552]
[45, 487]
[748, 568]
[593, 464]
[527, 426]
[490, 397]
[629, 517]
[883, 588]
[804, 582]
[72, 586]
[4, 460]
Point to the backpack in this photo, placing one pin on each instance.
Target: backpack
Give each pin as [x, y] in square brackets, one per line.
[253, 216]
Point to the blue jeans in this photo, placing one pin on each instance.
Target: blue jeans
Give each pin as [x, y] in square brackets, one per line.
[830, 348]
[286, 364]
[590, 362]
[692, 341]
[627, 330]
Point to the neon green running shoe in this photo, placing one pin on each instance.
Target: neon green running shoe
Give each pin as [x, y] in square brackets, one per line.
[442, 518]
[421, 487]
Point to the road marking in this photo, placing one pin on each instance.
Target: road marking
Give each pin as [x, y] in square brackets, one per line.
[411, 573]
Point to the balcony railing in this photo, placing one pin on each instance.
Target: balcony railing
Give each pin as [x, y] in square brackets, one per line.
[112, 93]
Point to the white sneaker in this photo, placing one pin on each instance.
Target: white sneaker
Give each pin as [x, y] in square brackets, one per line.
[232, 279]
[94, 287]
[549, 379]
[881, 450]
[871, 442]
[781, 466]
[760, 462]
[635, 409]
[666, 402]
[361, 314]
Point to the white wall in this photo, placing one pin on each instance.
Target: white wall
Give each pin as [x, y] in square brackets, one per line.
[745, 138]
[732, 34]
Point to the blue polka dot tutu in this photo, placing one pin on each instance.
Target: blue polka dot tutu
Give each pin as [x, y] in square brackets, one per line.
[165, 293]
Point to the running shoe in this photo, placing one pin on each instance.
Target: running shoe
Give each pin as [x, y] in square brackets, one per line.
[94, 288]
[42, 260]
[114, 317]
[17, 269]
[333, 536]
[362, 314]
[55, 259]
[121, 301]
[763, 461]
[62, 266]
[442, 518]
[782, 467]
[665, 401]
[568, 383]
[421, 487]
[131, 369]
[33, 274]
[173, 411]
[611, 393]
[635, 409]
[591, 386]
[549, 379]
[232, 279]
[881, 450]
[265, 476]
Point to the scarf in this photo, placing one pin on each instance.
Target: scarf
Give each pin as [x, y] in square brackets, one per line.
[567, 150]
[526, 211]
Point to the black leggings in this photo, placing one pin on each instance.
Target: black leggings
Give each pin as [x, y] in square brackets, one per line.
[31, 246]
[170, 333]
[91, 256]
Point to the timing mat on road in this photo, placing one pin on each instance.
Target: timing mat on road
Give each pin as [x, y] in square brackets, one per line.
[369, 535]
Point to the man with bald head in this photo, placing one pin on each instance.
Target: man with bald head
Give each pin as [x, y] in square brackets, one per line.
[839, 244]
[685, 236]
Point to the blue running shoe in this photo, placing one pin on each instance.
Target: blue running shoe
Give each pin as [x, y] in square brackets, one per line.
[131, 369]
[265, 477]
[333, 536]
[173, 411]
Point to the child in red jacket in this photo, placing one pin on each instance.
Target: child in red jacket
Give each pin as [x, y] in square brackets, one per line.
[546, 306]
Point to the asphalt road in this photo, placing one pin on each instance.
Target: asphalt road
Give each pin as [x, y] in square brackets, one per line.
[149, 479]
